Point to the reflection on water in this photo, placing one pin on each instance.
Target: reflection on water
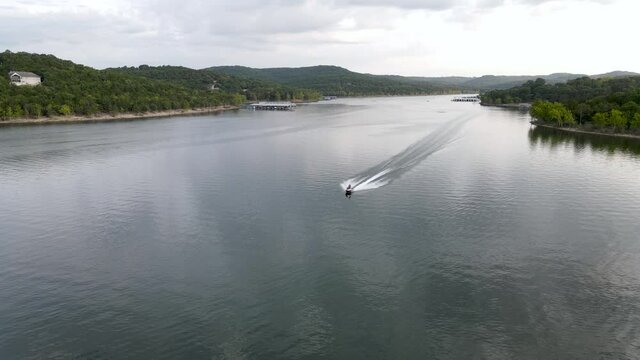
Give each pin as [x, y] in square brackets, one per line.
[225, 237]
[553, 138]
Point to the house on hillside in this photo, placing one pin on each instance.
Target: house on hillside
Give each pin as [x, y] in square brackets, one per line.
[24, 78]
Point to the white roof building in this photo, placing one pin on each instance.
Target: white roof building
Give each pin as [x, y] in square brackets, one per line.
[24, 78]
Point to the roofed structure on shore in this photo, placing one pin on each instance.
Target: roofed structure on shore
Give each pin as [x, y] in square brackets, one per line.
[24, 78]
[272, 106]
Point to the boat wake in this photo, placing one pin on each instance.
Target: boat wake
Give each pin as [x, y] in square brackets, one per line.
[393, 168]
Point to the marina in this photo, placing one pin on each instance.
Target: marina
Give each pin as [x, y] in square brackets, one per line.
[282, 106]
[474, 98]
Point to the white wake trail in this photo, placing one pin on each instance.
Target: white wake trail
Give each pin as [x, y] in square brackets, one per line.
[393, 168]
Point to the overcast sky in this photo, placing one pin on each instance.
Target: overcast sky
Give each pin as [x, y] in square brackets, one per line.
[406, 37]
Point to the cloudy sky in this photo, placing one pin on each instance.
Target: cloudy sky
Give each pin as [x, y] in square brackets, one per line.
[406, 37]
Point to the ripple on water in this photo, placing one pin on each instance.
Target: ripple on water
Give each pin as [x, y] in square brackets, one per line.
[228, 237]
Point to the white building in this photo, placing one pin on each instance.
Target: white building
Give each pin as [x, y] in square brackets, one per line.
[24, 78]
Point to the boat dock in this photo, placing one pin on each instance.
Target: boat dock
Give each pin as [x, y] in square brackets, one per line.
[473, 98]
[272, 106]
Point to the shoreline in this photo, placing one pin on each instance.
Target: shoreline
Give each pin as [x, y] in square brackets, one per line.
[72, 119]
[522, 106]
[581, 131]
[526, 106]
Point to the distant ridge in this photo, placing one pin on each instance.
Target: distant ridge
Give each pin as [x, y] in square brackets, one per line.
[253, 88]
[68, 88]
[615, 74]
[490, 82]
[336, 80]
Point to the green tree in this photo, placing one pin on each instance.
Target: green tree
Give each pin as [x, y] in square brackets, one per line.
[565, 116]
[582, 110]
[540, 110]
[65, 110]
[555, 113]
[617, 120]
[634, 123]
[601, 119]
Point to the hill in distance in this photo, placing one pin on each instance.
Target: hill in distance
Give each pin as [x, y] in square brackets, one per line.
[491, 82]
[334, 80]
[252, 88]
[72, 89]
[615, 74]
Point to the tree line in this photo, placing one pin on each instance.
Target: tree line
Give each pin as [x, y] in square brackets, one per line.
[71, 89]
[252, 89]
[334, 80]
[611, 104]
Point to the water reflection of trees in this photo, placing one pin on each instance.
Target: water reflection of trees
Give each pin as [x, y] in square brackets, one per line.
[609, 144]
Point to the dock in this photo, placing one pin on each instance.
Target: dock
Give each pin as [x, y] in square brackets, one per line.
[272, 106]
[473, 98]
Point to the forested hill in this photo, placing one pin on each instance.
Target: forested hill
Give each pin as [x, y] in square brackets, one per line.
[609, 104]
[493, 82]
[252, 88]
[334, 80]
[69, 88]
[615, 74]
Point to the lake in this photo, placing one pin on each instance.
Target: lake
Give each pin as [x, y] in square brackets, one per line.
[229, 236]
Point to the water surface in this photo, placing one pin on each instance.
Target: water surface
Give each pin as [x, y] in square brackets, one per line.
[229, 237]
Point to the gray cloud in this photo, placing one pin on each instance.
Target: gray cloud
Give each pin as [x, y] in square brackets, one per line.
[538, 2]
[200, 33]
[405, 4]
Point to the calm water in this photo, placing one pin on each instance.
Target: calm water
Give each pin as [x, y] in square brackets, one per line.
[229, 237]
